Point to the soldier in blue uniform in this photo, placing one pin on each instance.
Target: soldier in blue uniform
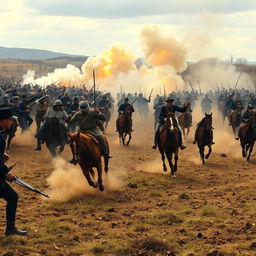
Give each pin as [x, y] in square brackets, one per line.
[6, 191]
[165, 110]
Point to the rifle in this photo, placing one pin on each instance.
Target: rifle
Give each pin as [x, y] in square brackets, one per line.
[199, 87]
[26, 185]
[238, 80]
[186, 102]
[191, 85]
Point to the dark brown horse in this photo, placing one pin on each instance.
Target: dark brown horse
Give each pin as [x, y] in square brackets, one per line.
[235, 120]
[204, 136]
[10, 134]
[169, 143]
[185, 122]
[87, 153]
[124, 126]
[247, 135]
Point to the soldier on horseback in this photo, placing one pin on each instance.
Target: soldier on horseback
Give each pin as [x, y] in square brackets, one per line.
[104, 107]
[165, 110]
[87, 121]
[122, 108]
[246, 116]
[55, 111]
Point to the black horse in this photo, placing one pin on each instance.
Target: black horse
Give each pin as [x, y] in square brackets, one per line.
[56, 136]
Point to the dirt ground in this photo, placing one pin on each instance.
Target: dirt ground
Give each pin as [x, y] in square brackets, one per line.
[206, 210]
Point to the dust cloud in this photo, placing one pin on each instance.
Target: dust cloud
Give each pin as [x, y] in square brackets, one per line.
[67, 181]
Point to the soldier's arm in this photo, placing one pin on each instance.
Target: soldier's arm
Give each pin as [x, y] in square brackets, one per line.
[100, 117]
[73, 119]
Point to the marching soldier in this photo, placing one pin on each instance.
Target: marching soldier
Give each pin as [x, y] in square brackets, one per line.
[6, 191]
[41, 108]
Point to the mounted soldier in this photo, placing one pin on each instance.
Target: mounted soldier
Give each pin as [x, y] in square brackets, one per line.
[165, 110]
[122, 108]
[87, 121]
[104, 107]
[6, 102]
[246, 116]
[55, 111]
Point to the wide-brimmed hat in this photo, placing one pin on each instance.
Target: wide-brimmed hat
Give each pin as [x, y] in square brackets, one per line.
[84, 105]
[250, 106]
[170, 98]
[6, 113]
[58, 103]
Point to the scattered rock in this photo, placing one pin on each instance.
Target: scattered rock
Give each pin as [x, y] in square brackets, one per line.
[182, 230]
[223, 155]
[253, 245]
[132, 185]
[199, 235]
[183, 196]
[112, 210]
[113, 225]
[160, 204]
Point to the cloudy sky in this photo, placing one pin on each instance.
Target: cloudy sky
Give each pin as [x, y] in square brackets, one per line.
[208, 28]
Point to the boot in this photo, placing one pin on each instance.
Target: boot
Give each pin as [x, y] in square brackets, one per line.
[73, 161]
[38, 148]
[103, 147]
[12, 230]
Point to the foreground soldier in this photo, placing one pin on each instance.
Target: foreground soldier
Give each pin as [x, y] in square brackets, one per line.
[6, 191]
[165, 110]
[87, 121]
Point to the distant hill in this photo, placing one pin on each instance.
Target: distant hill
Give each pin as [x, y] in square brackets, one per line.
[24, 53]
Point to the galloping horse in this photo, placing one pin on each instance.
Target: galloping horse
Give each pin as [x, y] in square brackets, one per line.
[55, 136]
[169, 143]
[247, 135]
[87, 153]
[107, 114]
[124, 126]
[185, 122]
[235, 120]
[10, 134]
[204, 136]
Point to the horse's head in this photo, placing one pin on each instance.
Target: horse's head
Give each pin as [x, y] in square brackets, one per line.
[208, 121]
[170, 121]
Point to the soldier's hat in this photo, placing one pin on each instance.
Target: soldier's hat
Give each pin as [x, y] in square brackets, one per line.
[6, 97]
[170, 98]
[126, 99]
[6, 113]
[250, 106]
[58, 103]
[15, 98]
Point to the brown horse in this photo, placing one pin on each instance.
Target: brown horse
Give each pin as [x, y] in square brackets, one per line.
[247, 135]
[169, 143]
[235, 120]
[185, 122]
[124, 126]
[10, 134]
[87, 153]
[204, 136]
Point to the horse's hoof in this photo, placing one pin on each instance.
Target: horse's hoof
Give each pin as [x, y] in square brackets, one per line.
[101, 187]
[165, 169]
[106, 170]
[173, 176]
[206, 157]
[244, 155]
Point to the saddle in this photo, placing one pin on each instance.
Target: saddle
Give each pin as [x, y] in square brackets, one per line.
[92, 137]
